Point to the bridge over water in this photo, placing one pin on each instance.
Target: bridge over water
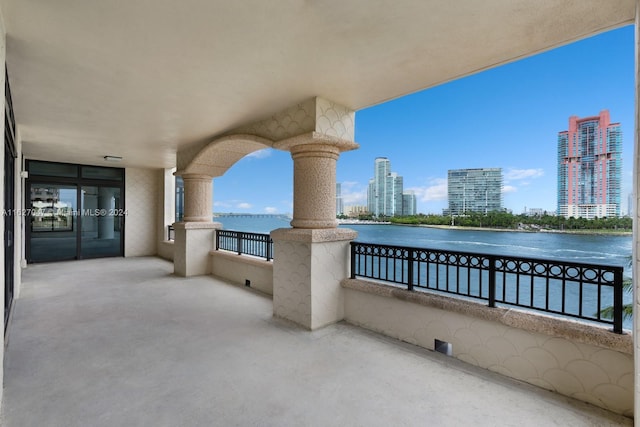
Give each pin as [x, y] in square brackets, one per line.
[250, 215]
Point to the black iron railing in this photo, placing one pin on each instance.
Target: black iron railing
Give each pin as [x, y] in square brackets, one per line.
[576, 290]
[171, 232]
[255, 244]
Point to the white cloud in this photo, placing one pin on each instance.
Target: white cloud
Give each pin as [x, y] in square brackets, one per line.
[509, 189]
[354, 198]
[520, 174]
[271, 210]
[244, 205]
[435, 190]
[260, 154]
[220, 204]
[353, 193]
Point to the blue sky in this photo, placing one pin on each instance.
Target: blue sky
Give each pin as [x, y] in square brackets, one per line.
[507, 117]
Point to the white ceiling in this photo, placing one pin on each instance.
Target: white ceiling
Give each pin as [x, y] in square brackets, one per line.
[141, 78]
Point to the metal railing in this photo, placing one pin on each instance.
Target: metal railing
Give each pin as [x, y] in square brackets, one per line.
[255, 244]
[171, 232]
[576, 290]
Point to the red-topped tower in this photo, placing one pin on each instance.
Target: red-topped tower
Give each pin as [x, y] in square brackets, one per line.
[590, 167]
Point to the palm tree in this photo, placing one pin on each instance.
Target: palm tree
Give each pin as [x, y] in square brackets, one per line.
[627, 309]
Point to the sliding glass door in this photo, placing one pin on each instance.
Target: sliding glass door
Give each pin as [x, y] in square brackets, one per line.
[76, 212]
[101, 221]
[53, 209]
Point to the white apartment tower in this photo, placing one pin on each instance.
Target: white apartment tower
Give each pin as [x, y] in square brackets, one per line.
[384, 197]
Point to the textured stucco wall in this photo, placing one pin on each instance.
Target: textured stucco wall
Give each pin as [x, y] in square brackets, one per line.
[166, 250]
[193, 242]
[306, 281]
[141, 201]
[596, 374]
[238, 268]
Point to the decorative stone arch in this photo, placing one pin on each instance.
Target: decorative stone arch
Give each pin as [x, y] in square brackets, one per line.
[312, 257]
[213, 160]
[222, 153]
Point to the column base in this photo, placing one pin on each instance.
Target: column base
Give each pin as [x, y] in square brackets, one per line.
[192, 243]
[308, 267]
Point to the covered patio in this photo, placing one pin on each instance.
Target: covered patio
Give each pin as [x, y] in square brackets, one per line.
[120, 99]
[126, 342]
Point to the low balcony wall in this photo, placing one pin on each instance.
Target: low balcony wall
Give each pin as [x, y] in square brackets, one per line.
[582, 361]
[240, 268]
[165, 249]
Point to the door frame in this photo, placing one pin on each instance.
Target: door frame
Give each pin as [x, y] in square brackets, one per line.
[78, 182]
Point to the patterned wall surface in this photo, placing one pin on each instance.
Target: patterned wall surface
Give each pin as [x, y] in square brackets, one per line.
[292, 281]
[301, 118]
[141, 192]
[313, 115]
[598, 375]
[335, 120]
[329, 267]
[300, 265]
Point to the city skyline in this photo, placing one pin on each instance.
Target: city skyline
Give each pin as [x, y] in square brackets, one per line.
[506, 117]
[385, 193]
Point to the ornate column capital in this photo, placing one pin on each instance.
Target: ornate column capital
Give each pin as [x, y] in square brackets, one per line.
[315, 141]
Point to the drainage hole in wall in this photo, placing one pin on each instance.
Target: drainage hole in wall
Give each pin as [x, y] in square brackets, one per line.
[443, 347]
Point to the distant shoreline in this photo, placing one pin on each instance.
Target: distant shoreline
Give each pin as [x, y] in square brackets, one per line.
[592, 232]
[506, 230]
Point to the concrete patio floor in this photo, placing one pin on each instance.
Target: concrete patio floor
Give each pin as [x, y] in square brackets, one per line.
[115, 342]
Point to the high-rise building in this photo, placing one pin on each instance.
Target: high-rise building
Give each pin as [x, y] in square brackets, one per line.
[354, 211]
[409, 203]
[339, 202]
[474, 190]
[384, 196]
[394, 189]
[590, 167]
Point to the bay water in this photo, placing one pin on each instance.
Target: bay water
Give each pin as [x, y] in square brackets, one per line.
[611, 250]
[589, 248]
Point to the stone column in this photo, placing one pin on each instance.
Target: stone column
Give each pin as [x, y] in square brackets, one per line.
[198, 197]
[314, 178]
[194, 237]
[312, 258]
[314, 186]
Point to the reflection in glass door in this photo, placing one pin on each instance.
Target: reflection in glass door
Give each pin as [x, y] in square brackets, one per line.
[76, 211]
[53, 232]
[101, 221]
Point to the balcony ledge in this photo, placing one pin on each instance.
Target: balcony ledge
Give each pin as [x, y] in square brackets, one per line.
[581, 332]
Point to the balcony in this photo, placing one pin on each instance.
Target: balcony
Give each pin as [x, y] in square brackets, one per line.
[125, 342]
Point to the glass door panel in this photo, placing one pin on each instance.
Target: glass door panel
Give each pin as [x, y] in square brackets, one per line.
[101, 222]
[53, 233]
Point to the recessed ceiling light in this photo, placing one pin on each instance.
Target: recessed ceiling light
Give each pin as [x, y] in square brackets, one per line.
[112, 158]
